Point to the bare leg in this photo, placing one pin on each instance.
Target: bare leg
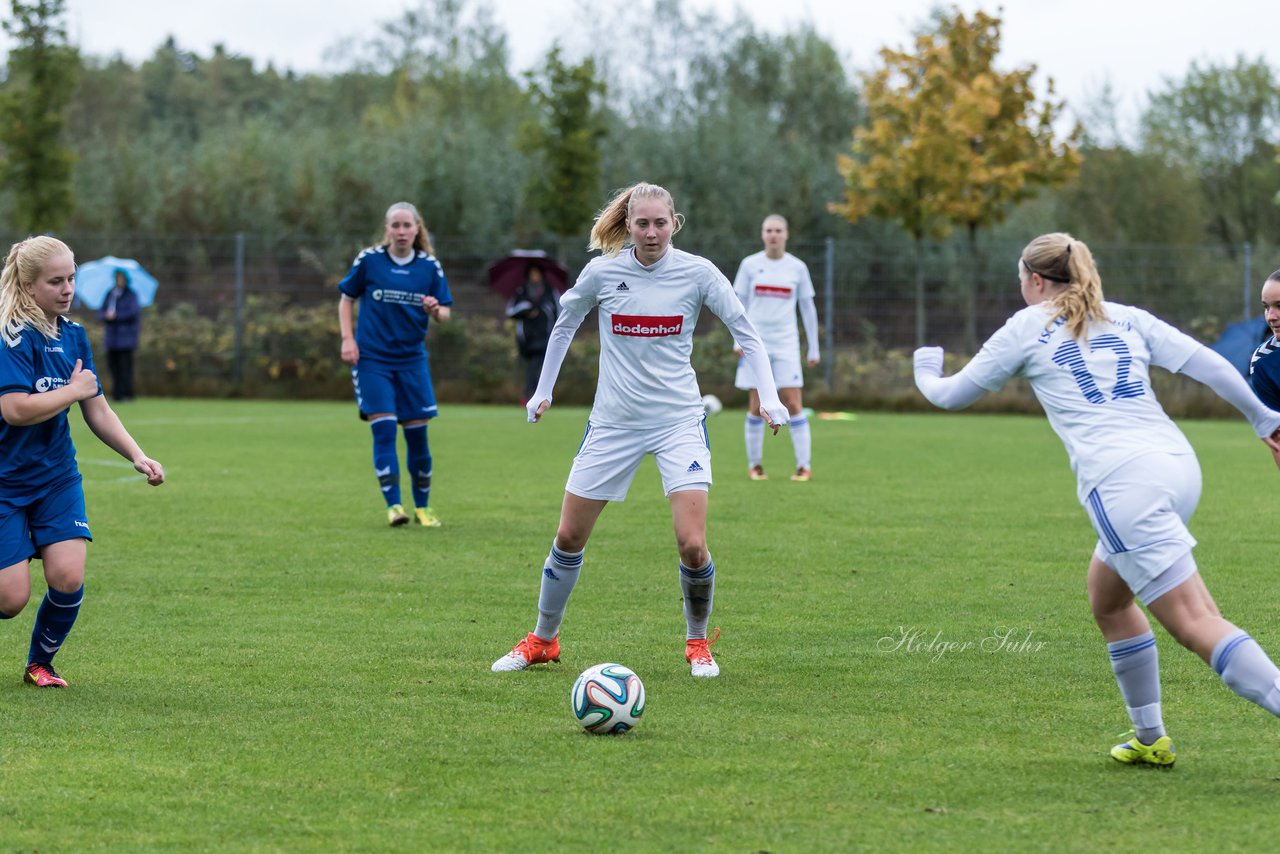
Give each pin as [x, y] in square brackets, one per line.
[1192, 617]
[15, 589]
[578, 517]
[689, 518]
[1114, 609]
[1189, 613]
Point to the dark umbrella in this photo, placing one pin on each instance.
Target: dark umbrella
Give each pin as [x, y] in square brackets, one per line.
[506, 275]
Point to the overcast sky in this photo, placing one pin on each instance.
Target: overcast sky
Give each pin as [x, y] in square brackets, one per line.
[1083, 44]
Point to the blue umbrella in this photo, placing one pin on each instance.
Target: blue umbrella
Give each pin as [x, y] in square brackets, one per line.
[95, 279]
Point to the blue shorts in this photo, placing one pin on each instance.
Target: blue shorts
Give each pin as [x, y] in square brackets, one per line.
[30, 523]
[405, 390]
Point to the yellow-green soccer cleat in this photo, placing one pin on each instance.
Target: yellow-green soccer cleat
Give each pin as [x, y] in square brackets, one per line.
[1133, 752]
[396, 516]
[427, 517]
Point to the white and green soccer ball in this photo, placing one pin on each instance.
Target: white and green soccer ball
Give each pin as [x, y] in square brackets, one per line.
[608, 699]
[712, 404]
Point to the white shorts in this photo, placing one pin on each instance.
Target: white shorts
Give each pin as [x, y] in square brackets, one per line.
[1140, 512]
[609, 456]
[786, 370]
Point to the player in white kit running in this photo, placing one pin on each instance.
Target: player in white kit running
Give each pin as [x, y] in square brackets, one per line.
[1088, 362]
[647, 402]
[772, 284]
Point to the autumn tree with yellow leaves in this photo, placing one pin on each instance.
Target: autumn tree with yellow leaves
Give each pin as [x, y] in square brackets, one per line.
[952, 142]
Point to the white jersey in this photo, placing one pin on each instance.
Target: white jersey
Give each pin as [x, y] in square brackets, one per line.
[1097, 392]
[770, 289]
[647, 316]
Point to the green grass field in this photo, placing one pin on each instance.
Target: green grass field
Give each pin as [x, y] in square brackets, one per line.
[262, 665]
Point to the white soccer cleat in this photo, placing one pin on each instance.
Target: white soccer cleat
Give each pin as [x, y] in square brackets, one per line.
[531, 650]
[698, 653]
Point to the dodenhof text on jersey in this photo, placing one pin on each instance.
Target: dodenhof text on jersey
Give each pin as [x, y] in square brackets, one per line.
[646, 326]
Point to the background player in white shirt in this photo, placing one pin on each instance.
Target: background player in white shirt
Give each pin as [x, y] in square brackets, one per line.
[647, 402]
[1088, 363]
[772, 284]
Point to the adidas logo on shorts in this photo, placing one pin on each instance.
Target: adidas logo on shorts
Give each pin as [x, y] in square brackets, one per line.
[694, 467]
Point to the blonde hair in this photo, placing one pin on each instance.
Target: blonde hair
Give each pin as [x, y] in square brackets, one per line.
[609, 233]
[1061, 258]
[18, 309]
[421, 240]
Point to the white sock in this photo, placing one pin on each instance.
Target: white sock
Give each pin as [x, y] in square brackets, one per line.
[1136, 664]
[699, 588]
[755, 440]
[1247, 670]
[559, 575]
[799, 426]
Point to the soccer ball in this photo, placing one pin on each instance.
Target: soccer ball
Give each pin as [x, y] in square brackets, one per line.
[711, 404]
[607, 699]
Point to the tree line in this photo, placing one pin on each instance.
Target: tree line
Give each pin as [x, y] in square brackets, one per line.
[737, 122]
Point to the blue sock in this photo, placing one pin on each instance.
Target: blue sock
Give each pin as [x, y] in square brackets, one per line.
[54, 620]
[418, 457]
[385, 464]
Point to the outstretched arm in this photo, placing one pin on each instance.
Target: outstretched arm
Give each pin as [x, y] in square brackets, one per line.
[1211, 368]
[954, 392]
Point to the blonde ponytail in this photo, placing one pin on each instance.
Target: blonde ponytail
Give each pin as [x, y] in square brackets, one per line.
[1060, 258]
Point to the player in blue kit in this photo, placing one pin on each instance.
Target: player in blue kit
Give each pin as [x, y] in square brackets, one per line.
[45, 367]
[401, 287]
[1264, 366]
[1088, 362]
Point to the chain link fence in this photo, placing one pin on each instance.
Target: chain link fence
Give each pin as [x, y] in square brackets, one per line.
[866, 291]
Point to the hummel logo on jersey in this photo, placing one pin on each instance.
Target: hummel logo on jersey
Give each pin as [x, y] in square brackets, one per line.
[693, 467]
[1265, 349]
[622, 287]
[646, 326]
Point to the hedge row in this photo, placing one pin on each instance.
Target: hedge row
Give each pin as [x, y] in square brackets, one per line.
[292, 352]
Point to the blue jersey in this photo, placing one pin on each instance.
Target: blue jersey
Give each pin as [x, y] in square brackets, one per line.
[1264, 372]
[39, 455]
[392, 325]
